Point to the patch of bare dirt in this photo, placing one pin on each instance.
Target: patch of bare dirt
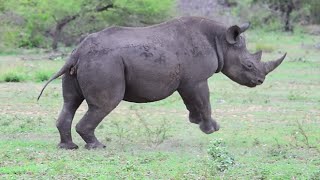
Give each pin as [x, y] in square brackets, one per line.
[313, 29]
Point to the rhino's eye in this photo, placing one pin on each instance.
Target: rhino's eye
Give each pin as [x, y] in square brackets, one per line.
[249, 65]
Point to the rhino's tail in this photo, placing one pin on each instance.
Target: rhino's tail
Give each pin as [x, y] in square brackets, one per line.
[65, 68]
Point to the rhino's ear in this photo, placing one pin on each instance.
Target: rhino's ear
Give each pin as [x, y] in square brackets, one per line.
[232, 35]
[244, 27]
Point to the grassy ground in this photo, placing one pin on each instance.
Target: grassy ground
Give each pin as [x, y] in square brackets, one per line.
[267, 132]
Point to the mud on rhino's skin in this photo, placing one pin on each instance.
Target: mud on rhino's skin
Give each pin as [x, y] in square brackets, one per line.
[148, 64]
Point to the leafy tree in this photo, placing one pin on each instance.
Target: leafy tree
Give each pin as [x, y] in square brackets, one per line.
[48, 18]
[139, 12]
[313, 7]
[286, 9]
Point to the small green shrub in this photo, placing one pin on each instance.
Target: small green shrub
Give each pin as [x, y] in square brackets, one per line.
[294, 96]
[13, 76]
[278, 152]
[261, 174]
[155, 135]
[42, 76]
[222, 159]
[315, 175]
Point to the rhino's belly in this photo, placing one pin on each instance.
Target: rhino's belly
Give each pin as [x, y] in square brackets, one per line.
[144, 95]
[149, 83]
[150, 86]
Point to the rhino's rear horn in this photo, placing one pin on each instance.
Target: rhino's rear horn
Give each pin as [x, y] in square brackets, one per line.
[257, 56]
[271, 65]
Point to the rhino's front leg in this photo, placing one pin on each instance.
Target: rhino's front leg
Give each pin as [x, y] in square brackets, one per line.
[196, 98]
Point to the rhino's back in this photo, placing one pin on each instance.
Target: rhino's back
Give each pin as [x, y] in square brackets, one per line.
[155, 58]
[152, 69]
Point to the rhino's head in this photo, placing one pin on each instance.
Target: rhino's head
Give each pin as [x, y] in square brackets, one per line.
[240, 65]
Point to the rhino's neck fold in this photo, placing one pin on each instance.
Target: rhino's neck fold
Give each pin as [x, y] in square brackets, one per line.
[219, 55]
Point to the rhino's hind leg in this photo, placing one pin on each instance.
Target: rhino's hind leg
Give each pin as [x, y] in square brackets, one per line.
[72, 100]
[196, 99]
[103, 88]
[91, 120]
[88, 124]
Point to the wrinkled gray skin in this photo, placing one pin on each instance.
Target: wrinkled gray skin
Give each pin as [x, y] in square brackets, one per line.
[148, 64]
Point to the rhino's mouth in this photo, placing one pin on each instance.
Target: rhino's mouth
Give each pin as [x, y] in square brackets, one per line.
[252, 85]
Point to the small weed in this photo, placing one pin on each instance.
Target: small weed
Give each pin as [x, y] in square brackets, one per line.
[129, 166]
[248, 100]
[56, 95]
[121, 133]
[278, 152]
[222, 159]
[315, 175]
[210, 168]
[155, 135]
[301, 138]
[262, 174]
[256, 142]
[299, 59]
[59, 167]
[294, 96]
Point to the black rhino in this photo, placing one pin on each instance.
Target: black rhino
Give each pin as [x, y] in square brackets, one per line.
[147, 64]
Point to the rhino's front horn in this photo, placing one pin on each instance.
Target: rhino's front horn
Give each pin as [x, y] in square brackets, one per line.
[271, 65]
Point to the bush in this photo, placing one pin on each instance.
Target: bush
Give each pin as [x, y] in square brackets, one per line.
[265, 19]
[222, 159]
[42, 76]
[13, 77]
[37, 24]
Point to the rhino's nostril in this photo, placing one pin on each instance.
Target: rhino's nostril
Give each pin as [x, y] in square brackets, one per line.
[260, 81]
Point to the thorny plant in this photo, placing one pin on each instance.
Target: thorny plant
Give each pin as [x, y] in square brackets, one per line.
[155, 135]
[121, 133]
[301, 137]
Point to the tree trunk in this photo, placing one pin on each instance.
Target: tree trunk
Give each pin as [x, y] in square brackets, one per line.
[58, 29]
[286, 9]
[60, 24]
[287, 26]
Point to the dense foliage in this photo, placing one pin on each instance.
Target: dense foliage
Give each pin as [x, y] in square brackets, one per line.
[49, 23]
[278, 14]
[34, 23]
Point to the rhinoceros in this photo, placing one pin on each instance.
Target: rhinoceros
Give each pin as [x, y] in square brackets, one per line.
[147, 64]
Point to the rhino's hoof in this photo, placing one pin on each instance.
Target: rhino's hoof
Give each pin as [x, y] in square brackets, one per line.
[209, 127]
[195, 121]
[70, 145]
[96, 145]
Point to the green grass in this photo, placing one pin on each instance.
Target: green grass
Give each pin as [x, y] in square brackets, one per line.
[13, 76]
[271, 131]
[24, 71]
